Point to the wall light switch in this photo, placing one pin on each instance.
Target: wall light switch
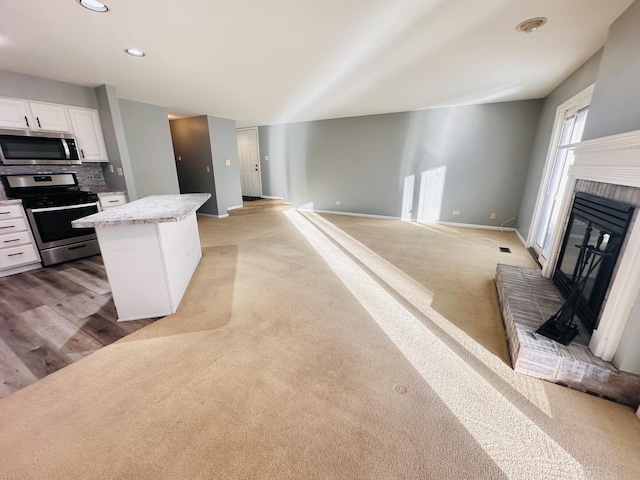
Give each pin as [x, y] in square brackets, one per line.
[456, 212]
[266, 158]
[493, 216]
[111, 168]
[227, 162]
[120, 171]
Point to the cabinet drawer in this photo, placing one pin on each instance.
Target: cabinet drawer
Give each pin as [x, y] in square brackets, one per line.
[109, 201]
[15, 256]
[15, 239]
[10, 211]
[13, 225]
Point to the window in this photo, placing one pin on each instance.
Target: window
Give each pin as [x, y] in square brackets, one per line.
[569, 126]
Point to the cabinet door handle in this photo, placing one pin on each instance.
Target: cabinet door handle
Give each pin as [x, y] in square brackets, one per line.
[9, 226]
[5, 213]
[38, 119]
[9, 241]
[15, 254]
[114, 201]
[26, 120]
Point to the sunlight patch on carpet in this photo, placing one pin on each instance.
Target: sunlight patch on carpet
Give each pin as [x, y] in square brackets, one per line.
[512, 440]
[421, 298]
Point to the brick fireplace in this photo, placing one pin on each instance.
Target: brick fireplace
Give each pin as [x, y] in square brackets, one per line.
[607, 167]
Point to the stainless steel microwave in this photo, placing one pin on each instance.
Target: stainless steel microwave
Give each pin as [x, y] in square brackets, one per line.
[18, 147]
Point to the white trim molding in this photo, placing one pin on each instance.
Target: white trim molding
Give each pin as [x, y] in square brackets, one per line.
[568, 108]
[615, 160]
[209, 215]
[481, 227]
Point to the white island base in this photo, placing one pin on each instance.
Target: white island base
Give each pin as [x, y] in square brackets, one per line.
[150, 248]
[149, 265]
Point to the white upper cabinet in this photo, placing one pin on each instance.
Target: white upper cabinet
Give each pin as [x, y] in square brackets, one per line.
[50, 117]
[14, 114]
[88, 132]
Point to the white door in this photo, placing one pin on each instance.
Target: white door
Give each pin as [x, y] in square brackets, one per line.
[249, 154]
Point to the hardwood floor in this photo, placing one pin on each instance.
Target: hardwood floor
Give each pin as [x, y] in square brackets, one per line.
[51, 317]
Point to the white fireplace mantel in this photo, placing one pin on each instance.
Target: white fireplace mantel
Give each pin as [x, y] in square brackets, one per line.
[615, 160]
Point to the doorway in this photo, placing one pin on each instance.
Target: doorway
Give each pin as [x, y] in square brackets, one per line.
[249, 156]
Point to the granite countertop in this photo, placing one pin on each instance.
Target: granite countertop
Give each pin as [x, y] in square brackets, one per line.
[152, 209]
[11, 202]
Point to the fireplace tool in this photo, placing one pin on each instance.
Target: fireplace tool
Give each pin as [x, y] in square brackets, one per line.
[560, 326]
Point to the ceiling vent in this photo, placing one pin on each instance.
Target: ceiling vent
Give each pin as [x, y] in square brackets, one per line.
[531, 25]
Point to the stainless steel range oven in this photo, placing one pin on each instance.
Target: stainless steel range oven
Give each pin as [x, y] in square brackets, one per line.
[52, 201]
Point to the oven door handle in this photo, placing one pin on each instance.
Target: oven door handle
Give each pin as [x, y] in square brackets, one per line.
[66, 207]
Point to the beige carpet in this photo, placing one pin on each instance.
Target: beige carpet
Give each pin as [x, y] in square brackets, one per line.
[325, 347]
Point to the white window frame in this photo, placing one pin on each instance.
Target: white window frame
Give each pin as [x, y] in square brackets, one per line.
[564, 111]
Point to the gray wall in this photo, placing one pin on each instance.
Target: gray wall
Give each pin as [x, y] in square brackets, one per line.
[578, 81]
[615, 107]
[148, 139]
[224, 146]
[44, 90]
[116, 143]
[363, 161]
[192, 144]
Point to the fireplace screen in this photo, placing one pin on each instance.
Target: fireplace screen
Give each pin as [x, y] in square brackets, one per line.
[590, 249]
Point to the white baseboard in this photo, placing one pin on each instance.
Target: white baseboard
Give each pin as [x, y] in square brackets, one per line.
[212, 216]
[234, 207]
[350, 214]
[471, 225]
[387, 217]
[269, 197]
[522, 240]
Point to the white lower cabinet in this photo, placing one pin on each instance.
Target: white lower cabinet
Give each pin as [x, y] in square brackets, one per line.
[18, 252]
[110, 200]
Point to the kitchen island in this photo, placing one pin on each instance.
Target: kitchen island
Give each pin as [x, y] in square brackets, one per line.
[150, 248]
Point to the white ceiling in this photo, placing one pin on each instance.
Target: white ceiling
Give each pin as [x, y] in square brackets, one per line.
[275, 61]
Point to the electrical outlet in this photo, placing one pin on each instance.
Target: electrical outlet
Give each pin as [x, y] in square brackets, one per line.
[266, 158]
[337, 202]
[120, 171]
[90, 177]
[227, 162]
[493, 216]
[208, 168]
[456, 212]
[111, 168]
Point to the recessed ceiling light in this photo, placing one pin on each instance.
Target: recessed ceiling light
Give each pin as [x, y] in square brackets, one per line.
[531, 25]
[135, 52]
[94, 5]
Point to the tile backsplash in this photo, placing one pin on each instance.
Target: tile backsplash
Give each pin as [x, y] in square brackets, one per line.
[90, 175]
